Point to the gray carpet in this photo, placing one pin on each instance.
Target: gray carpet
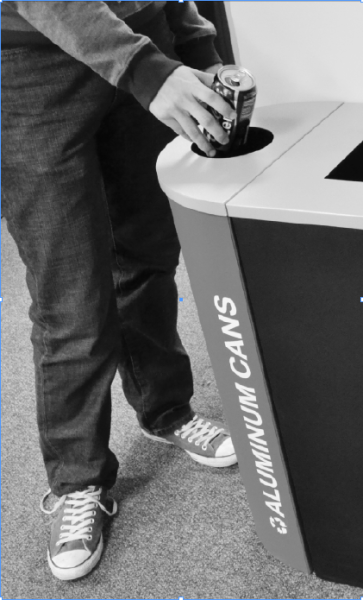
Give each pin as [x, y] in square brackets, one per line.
[182, 529]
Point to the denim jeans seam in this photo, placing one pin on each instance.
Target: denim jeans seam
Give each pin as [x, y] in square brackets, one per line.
[60, 464]
[120, 268]
[135, 367]
[10, 52]
[6, 207]
[41, 371]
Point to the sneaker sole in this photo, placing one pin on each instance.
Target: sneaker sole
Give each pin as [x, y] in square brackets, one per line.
[221, 461]
[81, 570]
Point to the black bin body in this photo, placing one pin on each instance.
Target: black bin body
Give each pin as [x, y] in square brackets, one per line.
[304, 285]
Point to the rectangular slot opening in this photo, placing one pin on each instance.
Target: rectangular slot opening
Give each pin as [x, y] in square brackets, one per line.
[351, 168]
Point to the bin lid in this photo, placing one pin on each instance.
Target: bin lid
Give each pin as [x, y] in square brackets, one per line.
[208, 184]
[319, 181]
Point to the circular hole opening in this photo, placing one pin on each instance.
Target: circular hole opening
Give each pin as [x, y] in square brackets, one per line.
[257, 139]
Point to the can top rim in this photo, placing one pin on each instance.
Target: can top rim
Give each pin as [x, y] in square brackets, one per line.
[235, 68]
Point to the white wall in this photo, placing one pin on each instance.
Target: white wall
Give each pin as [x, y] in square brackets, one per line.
[300, 51]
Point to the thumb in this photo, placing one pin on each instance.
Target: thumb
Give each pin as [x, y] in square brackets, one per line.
[206, 78]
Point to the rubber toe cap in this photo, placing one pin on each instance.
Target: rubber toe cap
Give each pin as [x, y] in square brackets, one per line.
[226, 448]
[71, 559]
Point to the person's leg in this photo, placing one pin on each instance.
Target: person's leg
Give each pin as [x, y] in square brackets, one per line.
[54, 204]
[154, 367]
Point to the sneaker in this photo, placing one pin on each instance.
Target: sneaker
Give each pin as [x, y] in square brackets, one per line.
[76, 541]
[207, 442]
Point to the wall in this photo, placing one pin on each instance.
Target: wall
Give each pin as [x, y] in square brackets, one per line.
[299, 50]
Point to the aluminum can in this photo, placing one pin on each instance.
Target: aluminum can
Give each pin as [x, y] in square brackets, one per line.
[238, 87]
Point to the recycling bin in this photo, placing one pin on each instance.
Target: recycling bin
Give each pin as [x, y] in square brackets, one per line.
[273, 244]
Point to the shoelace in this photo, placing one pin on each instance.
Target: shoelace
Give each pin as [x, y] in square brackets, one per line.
[201, 432]
[80, 514]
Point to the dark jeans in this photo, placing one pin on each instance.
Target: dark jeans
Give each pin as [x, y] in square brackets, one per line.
[82, 202]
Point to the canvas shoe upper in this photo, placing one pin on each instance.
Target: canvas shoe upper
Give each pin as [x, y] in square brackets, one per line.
[206, 441]
[76, 541]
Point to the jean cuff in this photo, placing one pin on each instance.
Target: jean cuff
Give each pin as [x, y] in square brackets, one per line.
[174, 426]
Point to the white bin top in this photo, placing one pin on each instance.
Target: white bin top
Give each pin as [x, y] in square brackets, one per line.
[285, 181]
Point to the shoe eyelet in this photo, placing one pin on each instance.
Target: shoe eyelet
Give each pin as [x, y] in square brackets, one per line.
[90, 529]
[197, 443]
[177, 432]
[190, 440]
[92, 520]
[89, 537]
[204, 447]
[94, 513]
[62, 528]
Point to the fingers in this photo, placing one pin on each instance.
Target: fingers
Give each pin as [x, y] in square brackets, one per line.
[188, 129]
[178, 129]
[208, 122]
[192, 131]
[215, 101]
[210, 97]
[185, 136]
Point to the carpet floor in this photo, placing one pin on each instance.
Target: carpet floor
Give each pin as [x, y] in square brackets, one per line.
[183, 530]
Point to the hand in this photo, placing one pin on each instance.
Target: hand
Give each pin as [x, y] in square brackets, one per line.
[178, 104]
[213, 69]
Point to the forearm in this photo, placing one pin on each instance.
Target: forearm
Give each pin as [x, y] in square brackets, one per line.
[94, 35]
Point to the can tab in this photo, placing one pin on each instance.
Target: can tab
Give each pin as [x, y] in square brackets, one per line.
[233, 81]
